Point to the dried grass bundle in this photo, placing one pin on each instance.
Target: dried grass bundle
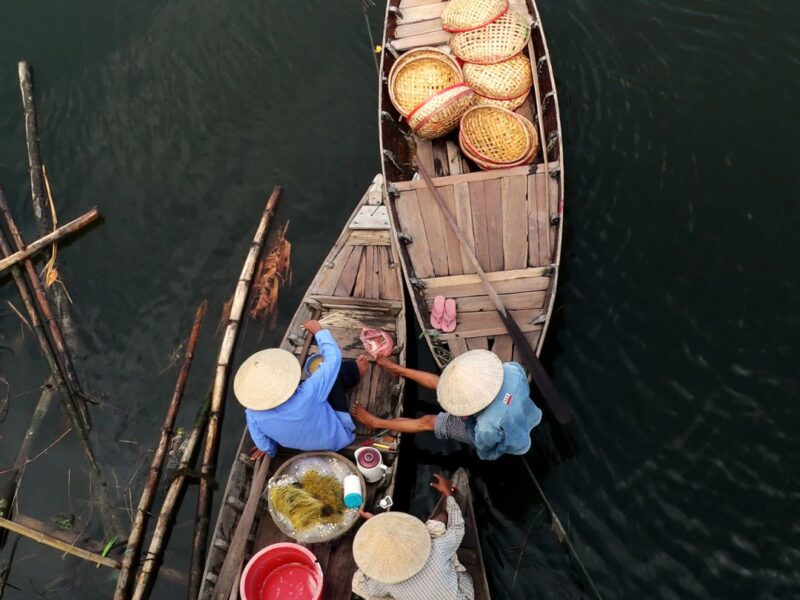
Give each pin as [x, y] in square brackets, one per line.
[273, 272]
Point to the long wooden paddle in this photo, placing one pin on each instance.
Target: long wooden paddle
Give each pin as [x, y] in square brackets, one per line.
[232, 565]
[558, 406]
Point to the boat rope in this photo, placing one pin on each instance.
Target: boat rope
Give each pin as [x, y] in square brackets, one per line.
[561, 532]
[365, 6]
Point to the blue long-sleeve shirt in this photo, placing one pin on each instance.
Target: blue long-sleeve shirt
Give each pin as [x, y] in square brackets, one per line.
[306, 421]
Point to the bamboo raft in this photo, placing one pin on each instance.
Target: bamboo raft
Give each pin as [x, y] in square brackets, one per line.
[511, 217]
[359, 285]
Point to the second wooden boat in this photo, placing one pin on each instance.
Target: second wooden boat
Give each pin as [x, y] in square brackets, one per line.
[512, 217]
[359, 285]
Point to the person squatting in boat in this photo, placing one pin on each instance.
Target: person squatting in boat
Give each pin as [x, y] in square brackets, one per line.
[400, 557]
[486, 404]
[308, 415]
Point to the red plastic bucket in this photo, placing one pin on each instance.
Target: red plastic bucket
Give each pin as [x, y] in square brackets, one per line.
[282, 572]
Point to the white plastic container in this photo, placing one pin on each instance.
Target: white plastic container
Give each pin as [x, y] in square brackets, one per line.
[353, 494]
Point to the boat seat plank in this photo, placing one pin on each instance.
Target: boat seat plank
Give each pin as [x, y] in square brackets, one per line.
[389, 285]
[347, 279]
[492, 276]
[361, 304]
[490, 329]
[434, 229]
[542, 220]
[463, 215]
[417, 28]
[515, 220]
[423, 12]
[494, 223]
[468, 322]
[404, 186]
[345, 319]
[503, 347]
[434, 38]
[452, 245]
[410, 221]
[330, 278]
[510, 286]
[370, 218]
[480, 228]
[514, 301]
[369, 237]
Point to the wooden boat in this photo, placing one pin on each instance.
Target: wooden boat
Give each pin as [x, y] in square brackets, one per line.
[512, 217]
[359, 285]
[469, 554]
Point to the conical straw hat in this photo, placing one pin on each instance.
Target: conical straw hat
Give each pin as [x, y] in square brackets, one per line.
[391, 547]
[470, 382]
[267, 379]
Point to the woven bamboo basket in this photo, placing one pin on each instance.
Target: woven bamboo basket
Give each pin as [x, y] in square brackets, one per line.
[494, 43]
[512, 104]
[466, 15]
[441, 113]
[494, 135]
[418, 75]
[488, 165]
[505, 80]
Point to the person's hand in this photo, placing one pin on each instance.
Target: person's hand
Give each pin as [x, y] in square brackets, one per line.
[312, 327]
[366, 515]
[443, 485]
[255, 453]
[385, 363]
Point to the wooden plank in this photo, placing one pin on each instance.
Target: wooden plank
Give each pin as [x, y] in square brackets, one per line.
[515, 222]
[533, 229]
[373, 275]
[511, 286]
[533, 339]
[424, 153]
[554, 209]
[331, 278]
[434, 231]
[424, 12]
[389, 283]
[417, 28]
[410, 222]
[360, 288]
[479, 224]
[515, 301]
[479, 321]
[441, 163]
[484, 332]
[463, 215]
[480, 343]
[519, 7]
[360, 304]
[542, 221]
[368, 237]
[370, 217]
[452, 245]
[404, 186]
[491, 276]
[355, 321]
[503, 347]
[434, 38]
[453, 158]
[457, 346]
[348, 277]
[494, 223]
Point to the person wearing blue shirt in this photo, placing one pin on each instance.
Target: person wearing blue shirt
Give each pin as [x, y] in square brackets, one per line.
[486, 404]
[308, 415]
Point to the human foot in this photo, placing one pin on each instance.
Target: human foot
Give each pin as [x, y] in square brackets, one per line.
[362, 362]
[363, 416]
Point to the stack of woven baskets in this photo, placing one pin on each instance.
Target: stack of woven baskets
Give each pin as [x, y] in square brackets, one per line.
[489, 78]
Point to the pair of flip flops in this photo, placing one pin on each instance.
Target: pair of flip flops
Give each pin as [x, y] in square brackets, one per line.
[443, 314]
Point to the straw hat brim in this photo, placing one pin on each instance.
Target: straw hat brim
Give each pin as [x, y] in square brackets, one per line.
[392, 547]
[470, 382]
[267, 379]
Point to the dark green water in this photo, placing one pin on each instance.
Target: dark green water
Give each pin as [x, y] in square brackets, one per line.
[676, 332]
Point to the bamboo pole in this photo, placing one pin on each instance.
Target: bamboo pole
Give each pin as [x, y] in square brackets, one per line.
[69, 402]
[43, 538]
[146, 501]
[152, 558]
[32, 139]
[43, 242]
[59, 346]
[208, 464]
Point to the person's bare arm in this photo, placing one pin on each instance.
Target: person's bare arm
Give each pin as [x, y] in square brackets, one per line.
[423, 378]
[399, 425]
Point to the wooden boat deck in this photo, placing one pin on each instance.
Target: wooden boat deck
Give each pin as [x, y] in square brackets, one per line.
[358, 285]
[511, 217]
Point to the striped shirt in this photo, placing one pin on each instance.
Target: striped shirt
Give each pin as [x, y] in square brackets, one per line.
[451, 427]
[438, 579]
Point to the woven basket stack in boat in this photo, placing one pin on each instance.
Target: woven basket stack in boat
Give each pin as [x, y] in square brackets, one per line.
[505, 84]
[497, 138]
[467, 15]
[427, 87]
[499, 40]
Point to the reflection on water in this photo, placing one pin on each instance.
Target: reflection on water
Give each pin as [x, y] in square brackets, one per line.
[674, 338]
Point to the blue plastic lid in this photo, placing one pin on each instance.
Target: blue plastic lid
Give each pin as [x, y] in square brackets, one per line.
[352, 500]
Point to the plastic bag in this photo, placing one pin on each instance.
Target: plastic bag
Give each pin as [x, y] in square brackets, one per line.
[377, 342]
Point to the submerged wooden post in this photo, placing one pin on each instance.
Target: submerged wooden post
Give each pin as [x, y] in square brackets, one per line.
[146, 500]
[208, 464]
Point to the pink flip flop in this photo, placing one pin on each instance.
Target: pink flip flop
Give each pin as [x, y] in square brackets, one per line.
[437, 312]
[449, 317]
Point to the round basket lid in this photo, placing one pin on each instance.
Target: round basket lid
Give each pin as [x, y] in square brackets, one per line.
[505, 80]
[494, 134]
[465, 15]
[496, 42]
[415, 79]
[441, 113]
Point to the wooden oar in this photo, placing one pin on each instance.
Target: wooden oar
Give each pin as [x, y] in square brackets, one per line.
[558, 406]
[232, 565]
